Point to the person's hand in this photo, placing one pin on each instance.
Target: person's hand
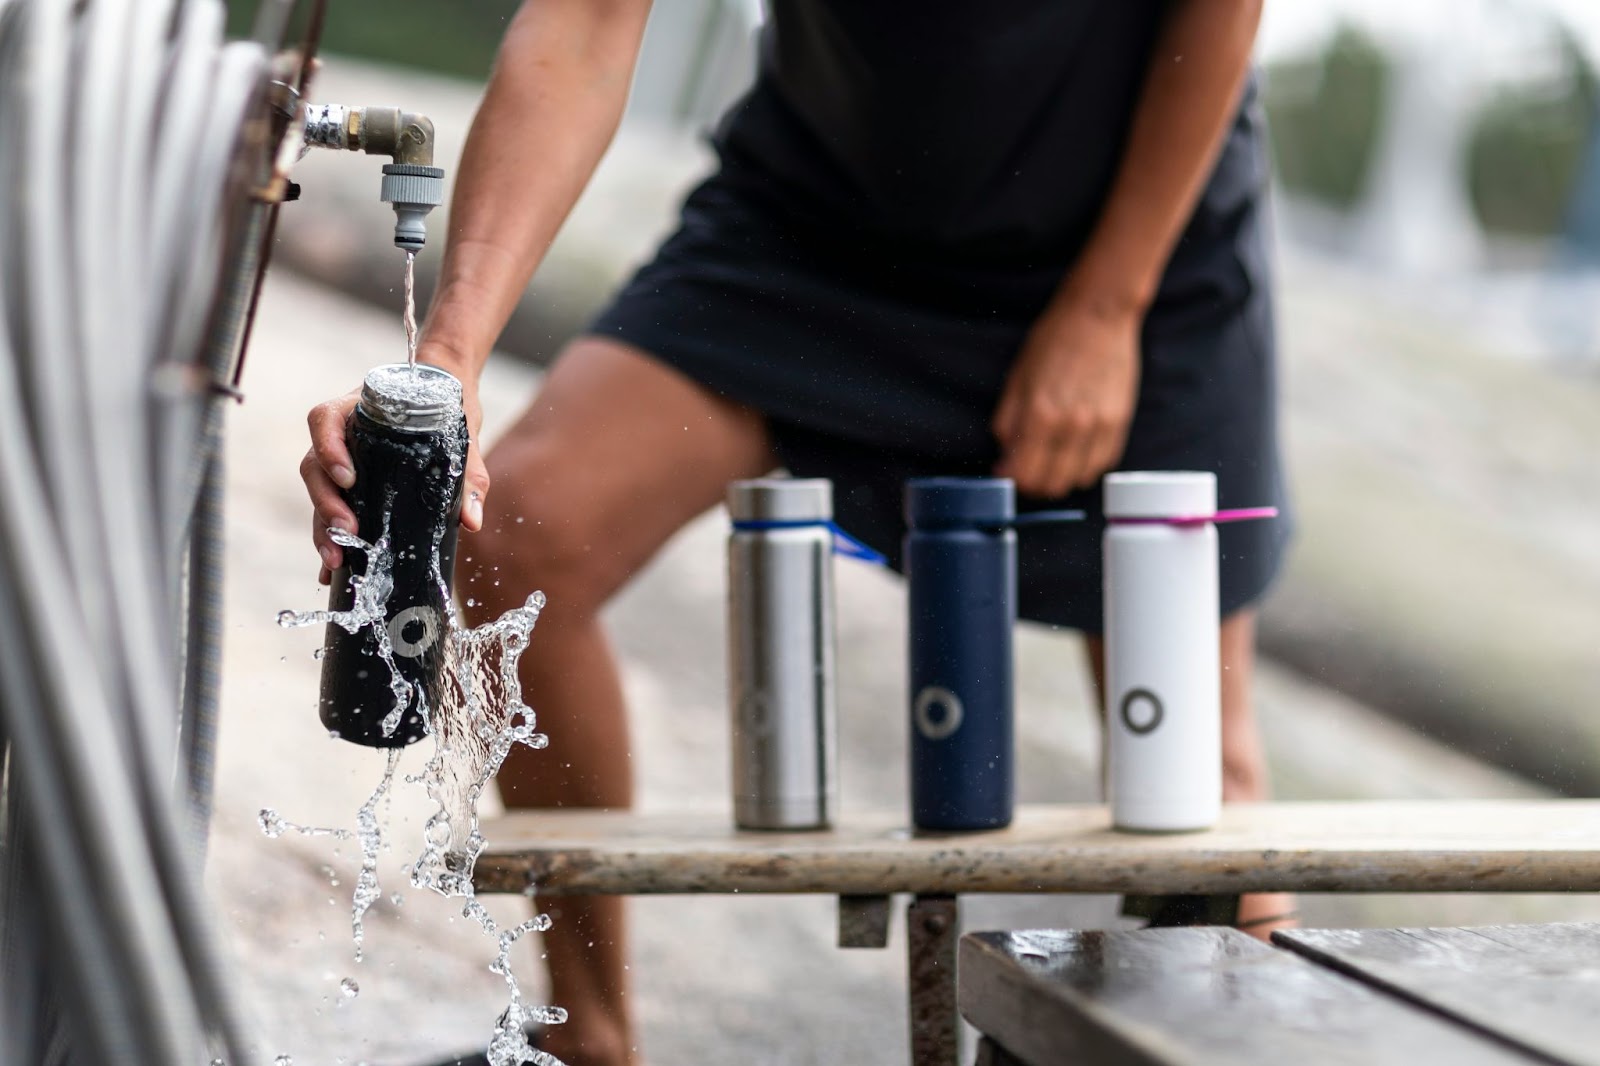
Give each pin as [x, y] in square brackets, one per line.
[327, 468]
[1063, 417]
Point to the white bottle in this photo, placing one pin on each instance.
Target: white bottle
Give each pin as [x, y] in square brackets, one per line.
[1163, 650]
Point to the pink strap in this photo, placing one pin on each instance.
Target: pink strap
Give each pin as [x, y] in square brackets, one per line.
[1237, 514]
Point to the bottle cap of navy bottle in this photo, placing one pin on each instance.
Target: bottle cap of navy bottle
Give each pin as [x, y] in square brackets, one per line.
[407, 438]
[961, 574]
[1163, 646]
[781, 653]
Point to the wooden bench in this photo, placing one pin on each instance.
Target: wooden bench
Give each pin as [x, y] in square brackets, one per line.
[1432, 846]
[1193, 997]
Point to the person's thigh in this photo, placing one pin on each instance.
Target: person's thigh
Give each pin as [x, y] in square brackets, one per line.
[616, 452]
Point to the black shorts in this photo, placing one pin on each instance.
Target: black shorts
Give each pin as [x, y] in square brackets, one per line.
[873, 365]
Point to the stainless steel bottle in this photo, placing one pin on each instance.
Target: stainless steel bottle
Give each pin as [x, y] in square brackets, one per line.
[781, 653]
[408, 438]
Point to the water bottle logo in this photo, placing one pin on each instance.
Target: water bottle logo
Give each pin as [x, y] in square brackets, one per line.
[937, 712]
[410, 618]
[1142, 711]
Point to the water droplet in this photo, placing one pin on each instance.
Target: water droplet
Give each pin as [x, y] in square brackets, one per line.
[396, 898]
[317, 654]
[271, 822]
[471, 602]
[283, 1060]
[349, 988]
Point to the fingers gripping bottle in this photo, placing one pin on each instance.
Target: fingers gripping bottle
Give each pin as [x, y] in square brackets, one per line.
[781, 653]
[1163, 649]
[408, 439]
[961, 571]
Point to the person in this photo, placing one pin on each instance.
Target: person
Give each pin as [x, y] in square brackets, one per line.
[1022, 239]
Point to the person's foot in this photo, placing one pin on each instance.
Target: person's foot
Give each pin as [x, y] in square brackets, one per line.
[535, 1036]
[592, 1045]
[1263, 913]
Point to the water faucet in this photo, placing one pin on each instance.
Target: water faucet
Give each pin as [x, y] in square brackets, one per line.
[412, 184]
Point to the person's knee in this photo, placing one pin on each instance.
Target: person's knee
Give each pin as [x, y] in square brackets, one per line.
[542, 530]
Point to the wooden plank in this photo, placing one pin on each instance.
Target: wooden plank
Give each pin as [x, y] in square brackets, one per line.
[1428, 846]
[1536, 985]
[1192, 997]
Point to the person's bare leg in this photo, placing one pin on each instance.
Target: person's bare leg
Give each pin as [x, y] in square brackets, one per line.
[614, 455]
[1244, 761]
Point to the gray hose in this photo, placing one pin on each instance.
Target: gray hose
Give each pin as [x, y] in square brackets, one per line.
[123, 254]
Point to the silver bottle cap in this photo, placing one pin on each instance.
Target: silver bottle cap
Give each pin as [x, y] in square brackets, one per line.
[781, 499]
[417, 399]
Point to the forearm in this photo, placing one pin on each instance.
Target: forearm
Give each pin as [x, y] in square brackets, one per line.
[553, 103]
[1185, 109]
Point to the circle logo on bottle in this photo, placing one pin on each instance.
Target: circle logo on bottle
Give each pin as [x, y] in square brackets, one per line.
[1141, 711]
[937, 712]
[408, 620]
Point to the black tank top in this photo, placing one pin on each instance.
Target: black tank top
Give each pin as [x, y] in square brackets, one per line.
[990, 130]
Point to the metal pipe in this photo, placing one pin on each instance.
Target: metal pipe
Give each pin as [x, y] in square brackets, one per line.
[404, 136]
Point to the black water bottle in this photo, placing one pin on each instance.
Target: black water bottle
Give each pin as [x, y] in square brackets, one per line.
[408, 439]
[961, 576]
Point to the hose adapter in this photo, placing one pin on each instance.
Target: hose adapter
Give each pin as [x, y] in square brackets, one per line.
[413, 190]
[412, 184]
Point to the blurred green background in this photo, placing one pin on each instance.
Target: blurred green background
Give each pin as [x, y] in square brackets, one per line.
[456, 37]
[1524, 150]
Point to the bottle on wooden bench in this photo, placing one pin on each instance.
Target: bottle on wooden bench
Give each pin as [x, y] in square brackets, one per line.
[961, 575]
[1163, 646]
[781, 692]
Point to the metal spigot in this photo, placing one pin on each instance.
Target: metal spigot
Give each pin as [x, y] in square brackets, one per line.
[412, 184]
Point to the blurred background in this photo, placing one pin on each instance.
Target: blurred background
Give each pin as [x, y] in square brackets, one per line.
[1437, 633]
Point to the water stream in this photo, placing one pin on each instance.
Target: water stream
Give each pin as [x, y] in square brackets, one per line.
[409, 317]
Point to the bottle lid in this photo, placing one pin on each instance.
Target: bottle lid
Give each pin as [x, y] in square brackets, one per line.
[1160, 494]
[781, 499]
[416, 399]
[956, 502]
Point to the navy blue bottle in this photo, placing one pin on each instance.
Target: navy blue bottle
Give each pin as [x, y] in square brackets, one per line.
[961, 571]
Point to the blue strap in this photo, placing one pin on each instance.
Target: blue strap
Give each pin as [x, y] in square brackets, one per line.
[843, 543]
[1040, 518]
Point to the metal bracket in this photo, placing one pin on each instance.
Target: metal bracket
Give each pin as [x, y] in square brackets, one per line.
[933, 925]
[863, 921]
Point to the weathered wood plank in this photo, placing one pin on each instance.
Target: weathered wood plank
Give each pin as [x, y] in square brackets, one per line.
[1433, 846]
[1192, 997]
[1537, 985]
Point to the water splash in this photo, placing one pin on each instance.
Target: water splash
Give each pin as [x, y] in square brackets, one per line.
[369, 831]
[275, 825]
[509, 1045]
[368, 609]
[486, 720]
[479, 719]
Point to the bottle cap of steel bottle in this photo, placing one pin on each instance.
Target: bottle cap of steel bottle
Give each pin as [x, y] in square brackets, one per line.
[1163, 648]
[961, 571]
[781, 653]
[408, 440]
